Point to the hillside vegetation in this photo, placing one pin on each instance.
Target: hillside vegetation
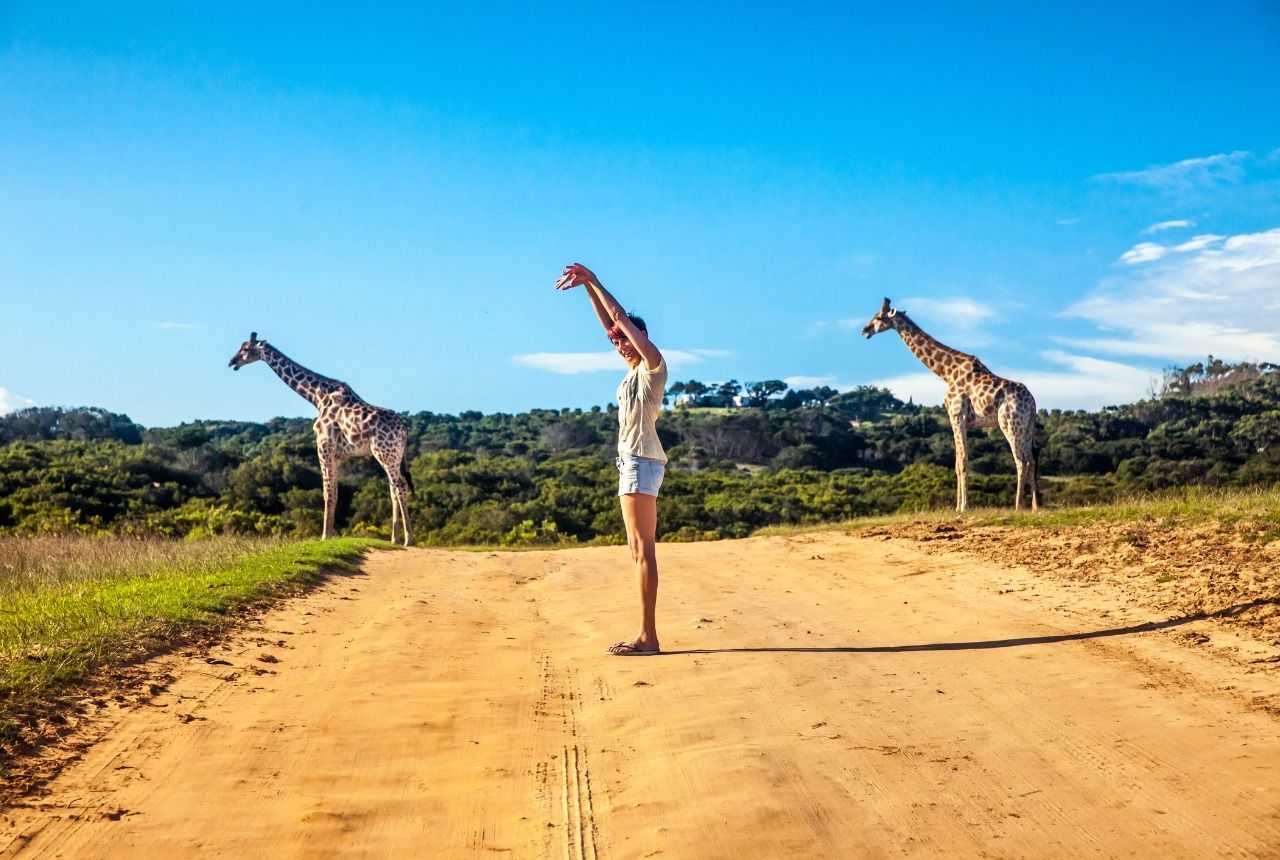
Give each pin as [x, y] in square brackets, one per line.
[546, 477]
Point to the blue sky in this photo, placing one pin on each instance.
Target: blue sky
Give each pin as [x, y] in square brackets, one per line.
[1081, 196]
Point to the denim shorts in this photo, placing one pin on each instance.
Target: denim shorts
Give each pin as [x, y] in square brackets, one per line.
[639, 475]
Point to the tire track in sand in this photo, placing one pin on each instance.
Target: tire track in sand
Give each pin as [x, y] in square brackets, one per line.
[564, 773]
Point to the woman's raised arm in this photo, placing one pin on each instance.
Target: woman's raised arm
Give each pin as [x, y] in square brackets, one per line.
[609, 311]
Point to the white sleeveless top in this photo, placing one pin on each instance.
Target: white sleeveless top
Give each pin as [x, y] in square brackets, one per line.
[639, 403]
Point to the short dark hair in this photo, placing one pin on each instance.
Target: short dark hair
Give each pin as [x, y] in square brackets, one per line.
[615, 331]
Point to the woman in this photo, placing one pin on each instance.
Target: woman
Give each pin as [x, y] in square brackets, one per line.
[641, 460]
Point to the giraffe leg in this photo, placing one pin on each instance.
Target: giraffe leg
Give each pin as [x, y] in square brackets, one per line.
[395, 508]
[962, 465]
[1017, 492]
[399, 507]
[1020, 444]
[390, 462]
[1025, 462]
[402, 490]
[1019, 463]
[395, 501]
[1035, 466]
[1027, 471]
[1017, 421]
[399, 503]
[329, 465]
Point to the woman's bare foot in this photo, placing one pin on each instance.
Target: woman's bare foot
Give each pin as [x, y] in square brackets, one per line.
[634, 649]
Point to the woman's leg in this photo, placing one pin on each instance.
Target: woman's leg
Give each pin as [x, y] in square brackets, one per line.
[640, 514]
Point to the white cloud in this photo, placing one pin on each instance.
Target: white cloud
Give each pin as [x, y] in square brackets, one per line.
[800, 382]
[1227, 167]
[592, 362]
[694, 355]
[1212, 295]
[1169, 225]
[922, 387]
[569, 362]
[10, 401]
[962, 312]
[1179, 341]
[1143, 252]
[1198, 242]
[1088, 383]
[1146, 252]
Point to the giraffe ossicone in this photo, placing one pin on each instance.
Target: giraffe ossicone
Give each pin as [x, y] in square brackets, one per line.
[975, 397]
[345, 427]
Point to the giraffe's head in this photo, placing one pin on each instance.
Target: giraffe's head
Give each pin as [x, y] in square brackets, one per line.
[882, 321]
[249, 352]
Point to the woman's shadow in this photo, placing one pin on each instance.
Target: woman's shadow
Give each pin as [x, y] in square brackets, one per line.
[1145, 627]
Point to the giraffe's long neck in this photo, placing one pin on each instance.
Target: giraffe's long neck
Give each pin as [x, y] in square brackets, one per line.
[934, 354]
[309, 384]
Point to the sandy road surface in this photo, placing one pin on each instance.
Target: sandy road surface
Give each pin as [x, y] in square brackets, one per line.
[825, 695]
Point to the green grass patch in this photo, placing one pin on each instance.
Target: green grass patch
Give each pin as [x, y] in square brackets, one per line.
[70, 606]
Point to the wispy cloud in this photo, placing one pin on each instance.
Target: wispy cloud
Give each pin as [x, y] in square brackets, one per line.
[801, 382]
[1227, 167]
[921, 387]
[592, 362]
[569, 362]
[1211, 295]
[1088, 383]
[1146, 252]
[961, 322]
[1143, 252]
[962, 312]
[1169, 225]
[693, 356]
[10, 401]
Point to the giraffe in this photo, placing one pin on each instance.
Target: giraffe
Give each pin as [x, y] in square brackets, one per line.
[976, 397]
[346, 427]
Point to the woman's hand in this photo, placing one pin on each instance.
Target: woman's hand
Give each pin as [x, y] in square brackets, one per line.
[575, 275]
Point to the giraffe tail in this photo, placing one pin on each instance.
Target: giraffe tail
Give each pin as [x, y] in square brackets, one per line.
[408, 478]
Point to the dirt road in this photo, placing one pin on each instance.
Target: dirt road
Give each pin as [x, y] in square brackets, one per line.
[822, 695]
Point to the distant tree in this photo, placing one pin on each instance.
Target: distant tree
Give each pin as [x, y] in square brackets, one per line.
[798, 397]
[795, 398]
[866, 403]
[1211, 377]
[729, 389]
[695, 389]
[758, 393]
[84, 424]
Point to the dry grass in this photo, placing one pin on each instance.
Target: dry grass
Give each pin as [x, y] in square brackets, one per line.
[1184, 506]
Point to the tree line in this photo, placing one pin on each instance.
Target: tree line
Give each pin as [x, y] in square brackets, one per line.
[546, 477]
